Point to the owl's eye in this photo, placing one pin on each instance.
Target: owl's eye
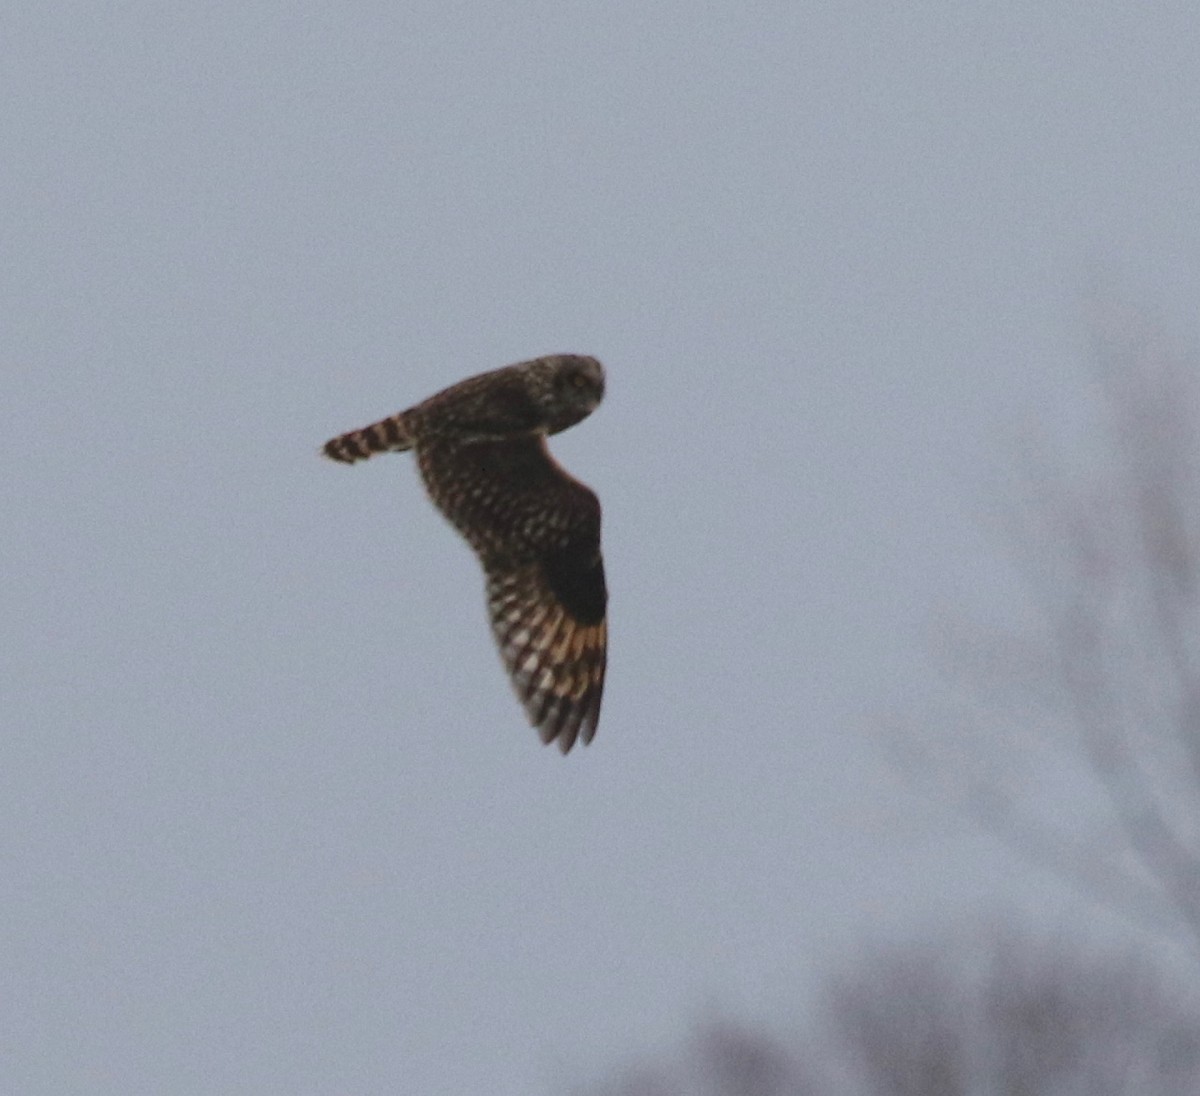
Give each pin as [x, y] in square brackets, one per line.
[579, 380]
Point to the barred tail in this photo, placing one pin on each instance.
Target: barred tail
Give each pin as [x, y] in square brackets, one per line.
[387, 435]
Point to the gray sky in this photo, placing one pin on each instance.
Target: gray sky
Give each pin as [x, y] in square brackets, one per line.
[270, 818]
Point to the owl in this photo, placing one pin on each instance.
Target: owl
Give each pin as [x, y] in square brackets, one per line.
[481, 450]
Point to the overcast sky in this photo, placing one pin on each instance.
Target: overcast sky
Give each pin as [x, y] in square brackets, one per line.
[270, 818]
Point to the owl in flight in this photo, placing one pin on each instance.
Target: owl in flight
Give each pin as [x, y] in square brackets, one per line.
[481, 449]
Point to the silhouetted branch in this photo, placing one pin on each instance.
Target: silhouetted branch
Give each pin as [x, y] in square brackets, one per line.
[994, 1014]
[1111, 673]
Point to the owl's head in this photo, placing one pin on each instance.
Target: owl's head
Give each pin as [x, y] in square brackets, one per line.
[568, 388]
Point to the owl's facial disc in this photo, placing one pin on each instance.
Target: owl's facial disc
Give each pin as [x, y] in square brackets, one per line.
[575, 388]
[583, 381]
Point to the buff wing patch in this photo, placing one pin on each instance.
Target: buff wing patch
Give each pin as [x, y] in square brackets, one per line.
[555, 661]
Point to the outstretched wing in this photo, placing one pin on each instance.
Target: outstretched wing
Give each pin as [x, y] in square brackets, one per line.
[536, 531]
[550, 625]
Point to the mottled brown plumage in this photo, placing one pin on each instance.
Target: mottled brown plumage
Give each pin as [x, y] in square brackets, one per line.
[481, 449]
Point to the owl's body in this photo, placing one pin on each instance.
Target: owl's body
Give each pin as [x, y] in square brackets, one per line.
[481, 449]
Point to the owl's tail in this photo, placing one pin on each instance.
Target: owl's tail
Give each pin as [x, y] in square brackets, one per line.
[390, 435]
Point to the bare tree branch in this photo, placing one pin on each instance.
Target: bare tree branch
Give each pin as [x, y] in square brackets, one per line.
[992, 1013]
[1111, 671]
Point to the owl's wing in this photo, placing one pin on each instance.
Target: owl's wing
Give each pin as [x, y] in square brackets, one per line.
[550, 625]
[536, 531]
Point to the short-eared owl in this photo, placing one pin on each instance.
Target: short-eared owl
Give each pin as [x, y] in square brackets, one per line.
[481, 449]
